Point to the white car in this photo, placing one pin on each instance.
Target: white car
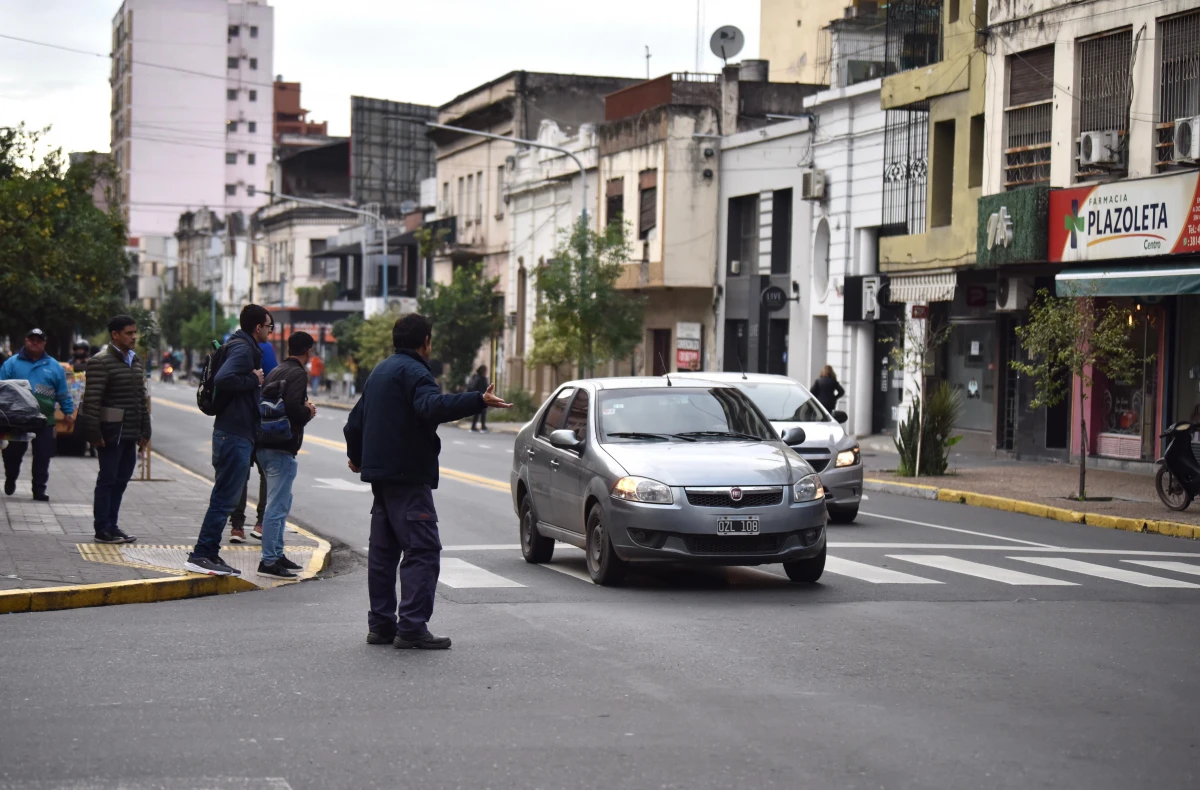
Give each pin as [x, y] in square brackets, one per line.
[832, 453]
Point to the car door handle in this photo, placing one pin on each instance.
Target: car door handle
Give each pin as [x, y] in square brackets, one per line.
[554, 462]
[530, 452]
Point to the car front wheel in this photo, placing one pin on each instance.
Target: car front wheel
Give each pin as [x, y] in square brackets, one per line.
[843, 515]
[534, 546]
[604, 566]
[806, 571]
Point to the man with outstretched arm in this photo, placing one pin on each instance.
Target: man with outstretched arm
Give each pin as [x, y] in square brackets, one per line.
[391, 439]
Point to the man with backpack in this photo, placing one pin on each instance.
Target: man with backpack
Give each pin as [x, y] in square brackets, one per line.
[285, 390]
[229, 390]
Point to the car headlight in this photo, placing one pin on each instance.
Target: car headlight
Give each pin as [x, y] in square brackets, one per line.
[848, 457]
[808, 489]
[641, 489]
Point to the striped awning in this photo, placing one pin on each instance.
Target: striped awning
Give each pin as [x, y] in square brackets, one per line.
[1146, 281]
[921, 288]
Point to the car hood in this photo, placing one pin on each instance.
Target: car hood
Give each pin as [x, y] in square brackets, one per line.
[817, 434]
[720, 463]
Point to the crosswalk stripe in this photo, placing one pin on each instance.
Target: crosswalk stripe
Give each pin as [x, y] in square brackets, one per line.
[569, 569]
[870, 573]
[989, 572]
[1105, 572]
[461, 574]
[1178, 567]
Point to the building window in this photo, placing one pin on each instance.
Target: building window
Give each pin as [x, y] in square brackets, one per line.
[975, 169]
[1179, 81]
[781, 232]
[233, 31]
[647, 202]
[462, 200]
[445, 209]
[250, 159]
[742, 238]
[941, 197]
[479, 194]
[1104, 95]
[252, 127]
[253, 95]
[499, 190]
[470, 195]
[254, 31]
[231, 94]
[254, 64]
[614, 200]
[231, 189]
[250, 190]
[231, 158]
[231, 63]
[906, 168]
[913, 34]
[231, 126]
[1028, 118]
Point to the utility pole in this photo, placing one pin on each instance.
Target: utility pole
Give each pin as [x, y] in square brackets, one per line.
[647, 61]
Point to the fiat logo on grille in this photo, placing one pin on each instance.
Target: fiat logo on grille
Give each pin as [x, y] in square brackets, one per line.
[735, 494]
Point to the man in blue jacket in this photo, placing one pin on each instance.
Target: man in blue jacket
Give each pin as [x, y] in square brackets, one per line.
[238, 383]
[49, 384]
[391, 439]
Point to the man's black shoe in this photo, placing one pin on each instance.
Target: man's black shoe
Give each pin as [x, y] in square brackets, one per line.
[10, 487]
[213, 566]
[421, 641]
[379, 639]
[275, 571]
[291, 566]
[41, 498]
[122, 537]
[106, 537]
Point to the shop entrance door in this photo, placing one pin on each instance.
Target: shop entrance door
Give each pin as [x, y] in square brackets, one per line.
[888, 388]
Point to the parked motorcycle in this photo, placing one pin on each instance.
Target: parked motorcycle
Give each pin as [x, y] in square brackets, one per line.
[1178, 477]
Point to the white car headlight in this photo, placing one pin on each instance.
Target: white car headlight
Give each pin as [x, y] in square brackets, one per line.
[808, 489]
[641, 489]
[848, 457]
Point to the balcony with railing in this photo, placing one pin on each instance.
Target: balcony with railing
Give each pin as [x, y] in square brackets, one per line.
[914, 34]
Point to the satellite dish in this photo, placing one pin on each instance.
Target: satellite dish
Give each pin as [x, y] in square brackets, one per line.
[727, 42]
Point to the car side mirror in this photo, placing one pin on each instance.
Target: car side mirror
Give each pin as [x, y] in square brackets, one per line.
[565, 440]
[794, 436]
[841, 416]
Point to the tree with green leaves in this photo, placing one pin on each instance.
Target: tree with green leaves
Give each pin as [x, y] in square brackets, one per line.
[345, 332]
[915, 356]
[374, 338]
[583, 313]
[464, 313]
[62, 260]
[149, 335]
[1073, 335]
[179, 306]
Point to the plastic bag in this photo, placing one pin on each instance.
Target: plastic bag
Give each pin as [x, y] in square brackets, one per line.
[19, 409]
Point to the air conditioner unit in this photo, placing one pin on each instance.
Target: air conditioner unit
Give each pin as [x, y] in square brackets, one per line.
[1099, 148]
[510, 163]
[1187, 139]
[735, 267]
[812, 185]
[1012, 293]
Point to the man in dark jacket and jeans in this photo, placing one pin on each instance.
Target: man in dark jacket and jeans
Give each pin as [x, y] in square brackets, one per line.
[277, 459]
[238, 384]
[391, 439]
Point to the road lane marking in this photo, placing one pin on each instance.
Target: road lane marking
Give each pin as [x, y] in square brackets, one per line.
[454, 474]
[980, 570]
[573, 570]
[337, 484]
[460, 574]
[871, 573]
[1105, 572]
[1177, 567]
[906, 546]
[956, 529]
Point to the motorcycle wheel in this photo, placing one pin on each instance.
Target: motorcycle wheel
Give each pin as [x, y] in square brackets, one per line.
[1171, 491]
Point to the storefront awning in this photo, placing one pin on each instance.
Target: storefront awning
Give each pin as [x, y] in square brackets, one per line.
[1156, 281]
[921, 288]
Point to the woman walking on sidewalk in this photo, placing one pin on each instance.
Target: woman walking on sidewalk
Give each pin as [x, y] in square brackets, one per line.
[826, 388]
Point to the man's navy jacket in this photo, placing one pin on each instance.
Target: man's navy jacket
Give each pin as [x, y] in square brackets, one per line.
[392, 432]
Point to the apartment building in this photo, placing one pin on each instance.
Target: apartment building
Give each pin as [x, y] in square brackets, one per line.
[790, 36]
[1090, 178]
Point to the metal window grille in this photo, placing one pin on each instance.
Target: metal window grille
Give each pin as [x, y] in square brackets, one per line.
[914, 34]
[1028, 118]
[1104, 84]
[906, 167]
[1179, 80]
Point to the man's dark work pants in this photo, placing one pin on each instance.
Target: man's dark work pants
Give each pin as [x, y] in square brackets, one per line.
[43, 450]
[403, 521]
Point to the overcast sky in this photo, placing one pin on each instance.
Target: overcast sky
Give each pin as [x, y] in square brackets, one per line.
[424, 52]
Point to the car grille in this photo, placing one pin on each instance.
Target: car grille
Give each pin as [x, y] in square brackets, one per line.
[818, 464]
[818, 457]
[749, 499]
[735, 544]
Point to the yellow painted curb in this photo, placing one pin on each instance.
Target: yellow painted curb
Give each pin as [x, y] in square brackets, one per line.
[894, 483]
[48, 599]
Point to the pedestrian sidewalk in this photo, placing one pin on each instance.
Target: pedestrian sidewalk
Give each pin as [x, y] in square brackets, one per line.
[48, 560]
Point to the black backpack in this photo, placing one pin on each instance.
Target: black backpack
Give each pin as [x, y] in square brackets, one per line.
[206, 393]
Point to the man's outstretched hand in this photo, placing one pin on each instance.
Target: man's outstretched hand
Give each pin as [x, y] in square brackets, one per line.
[493, 401]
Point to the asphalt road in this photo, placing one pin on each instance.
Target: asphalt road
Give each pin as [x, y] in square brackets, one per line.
[946, 647]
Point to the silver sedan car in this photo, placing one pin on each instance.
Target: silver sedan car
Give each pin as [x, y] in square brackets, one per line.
[650, 469]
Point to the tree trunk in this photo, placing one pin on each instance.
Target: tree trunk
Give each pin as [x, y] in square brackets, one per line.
[1083, 446]
[920, 432]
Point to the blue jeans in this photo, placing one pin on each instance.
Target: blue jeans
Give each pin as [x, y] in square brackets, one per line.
[231, 460]
[117, 461]
[280, 470]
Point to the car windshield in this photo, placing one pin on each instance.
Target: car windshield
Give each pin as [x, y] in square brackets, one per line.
[784, 401]
[680, 414]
